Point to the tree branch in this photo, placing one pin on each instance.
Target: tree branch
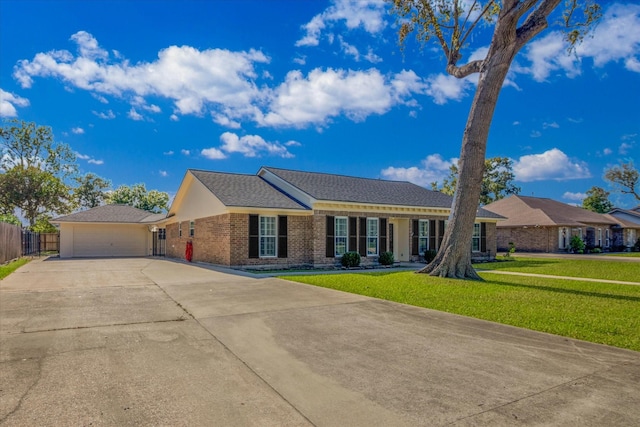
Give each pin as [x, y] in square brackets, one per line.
[465, 70]
[535, 22]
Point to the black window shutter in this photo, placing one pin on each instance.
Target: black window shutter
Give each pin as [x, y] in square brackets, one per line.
[254, 246]
[483, 237]
[414, 237]
[353, 234]
[440, 232]
[432, 234]
[363, 236]
[383, 235]
[330, 246]
[282, 237]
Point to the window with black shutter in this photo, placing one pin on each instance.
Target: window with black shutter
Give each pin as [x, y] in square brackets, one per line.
[363, 237]
[432, 234]
[383, 235]
[330, 242]
[353, 234]
[483, 237]
[282, 237]
[254, 236]
[415, 235]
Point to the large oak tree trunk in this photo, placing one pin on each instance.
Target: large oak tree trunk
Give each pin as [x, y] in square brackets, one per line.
[454, 257]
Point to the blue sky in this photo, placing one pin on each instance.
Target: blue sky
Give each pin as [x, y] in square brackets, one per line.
[143, 90]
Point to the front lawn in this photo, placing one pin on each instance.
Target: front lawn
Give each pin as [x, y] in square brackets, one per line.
[9, 268]
[590, 268]
[626, 254]
[597, 312]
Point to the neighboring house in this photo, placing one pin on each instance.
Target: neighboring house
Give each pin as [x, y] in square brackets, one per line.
[286, 217]
[109, 231]
[627, 231]
[536, 224]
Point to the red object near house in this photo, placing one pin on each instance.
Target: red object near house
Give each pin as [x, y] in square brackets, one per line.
[188, 254]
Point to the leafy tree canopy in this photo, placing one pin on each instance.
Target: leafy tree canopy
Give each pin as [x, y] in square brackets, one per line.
[90, 191]
[497, 180]
[10, 219]
[138, 196]
[624, 178]
[43, 225]
[597, 200]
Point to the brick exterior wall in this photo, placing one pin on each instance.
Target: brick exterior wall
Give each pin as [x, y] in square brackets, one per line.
[546, 239]
[224, 240]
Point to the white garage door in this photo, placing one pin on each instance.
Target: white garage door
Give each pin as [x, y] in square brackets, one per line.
[109, 241]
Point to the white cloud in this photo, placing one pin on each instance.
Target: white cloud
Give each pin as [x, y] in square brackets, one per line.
[433, 168]
[174, 118]
[576, 197]
[301, 101]
[134, 115]
[213, 154]
[366, 14]
[624, 148]
[300, 60]
[89, 159]
[223, 120]
[535, 134]
[163, 173]
[516, 123]
[8, 103]
[77, 130]
[616, 38]
[168, 153]
[191, 78]
[107, 115]
[443, 87]
[550, 165]
[252, 146]
[185, 152]
[553, 125]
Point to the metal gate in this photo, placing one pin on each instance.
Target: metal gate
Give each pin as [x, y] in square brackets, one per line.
[160, 242]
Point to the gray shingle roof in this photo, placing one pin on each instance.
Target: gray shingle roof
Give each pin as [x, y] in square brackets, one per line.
[245, 190]
[342, 188]
[112, 213]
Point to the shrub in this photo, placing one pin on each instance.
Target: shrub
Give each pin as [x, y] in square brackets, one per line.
[429, 256]
[386, 258]
[350, 259]
[597, 251]
[511, 250]
[576, 244]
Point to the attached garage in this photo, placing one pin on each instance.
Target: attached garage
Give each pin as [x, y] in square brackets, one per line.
[107, 231]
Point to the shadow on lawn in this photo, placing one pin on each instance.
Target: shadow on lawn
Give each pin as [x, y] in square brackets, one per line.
[569, 291]
[519, 263]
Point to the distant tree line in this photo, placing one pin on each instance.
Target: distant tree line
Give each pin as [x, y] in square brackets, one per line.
[39, 178]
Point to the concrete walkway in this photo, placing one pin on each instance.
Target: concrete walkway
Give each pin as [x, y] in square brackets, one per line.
[153, 342]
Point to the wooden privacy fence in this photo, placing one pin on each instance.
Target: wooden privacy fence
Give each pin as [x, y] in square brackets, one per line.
[16, 242]
[10, 242]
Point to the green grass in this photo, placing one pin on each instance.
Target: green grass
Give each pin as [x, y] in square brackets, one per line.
[626, 254]
[7, 269]
[593, 269]
[597, 312]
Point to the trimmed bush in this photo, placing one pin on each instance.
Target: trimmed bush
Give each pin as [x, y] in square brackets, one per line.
[429, 256]
[577, 245]
[386, 258]
[350, 259]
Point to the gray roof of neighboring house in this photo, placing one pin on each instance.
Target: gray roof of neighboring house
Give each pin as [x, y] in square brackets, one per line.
[112, 213]
[245, 190]
[342, 188]
[536, 211]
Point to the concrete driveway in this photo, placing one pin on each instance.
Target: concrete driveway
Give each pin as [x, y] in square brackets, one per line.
[155, 342]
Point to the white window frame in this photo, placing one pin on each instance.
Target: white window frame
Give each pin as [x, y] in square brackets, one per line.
[373, 235]
[423, 236]
[340, 239]
[268, 236]
[607, 237]
[477, 236]
[599, 238]
[192, 228]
